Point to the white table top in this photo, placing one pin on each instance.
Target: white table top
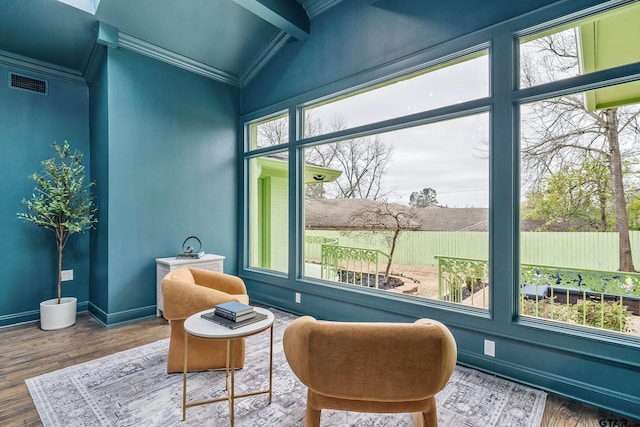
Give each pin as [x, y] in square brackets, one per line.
[177, 261]
[199, 327]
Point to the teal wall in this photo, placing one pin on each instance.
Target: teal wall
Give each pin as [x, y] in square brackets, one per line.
[358, 42]
[99, 126]
[169, 158]
[29, 124]
[161, 144]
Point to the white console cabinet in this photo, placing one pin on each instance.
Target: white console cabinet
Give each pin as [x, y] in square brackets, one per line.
[165, 265]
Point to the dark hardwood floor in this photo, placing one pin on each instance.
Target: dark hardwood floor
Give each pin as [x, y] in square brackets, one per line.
[26, 351]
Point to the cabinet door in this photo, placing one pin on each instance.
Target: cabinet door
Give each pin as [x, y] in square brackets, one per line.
[210, 265]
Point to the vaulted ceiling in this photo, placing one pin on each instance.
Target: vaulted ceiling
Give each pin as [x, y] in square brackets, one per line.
[228, 40]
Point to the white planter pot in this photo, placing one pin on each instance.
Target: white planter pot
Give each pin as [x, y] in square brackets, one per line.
[58, 316]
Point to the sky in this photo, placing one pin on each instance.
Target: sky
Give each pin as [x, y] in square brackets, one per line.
[451, 157]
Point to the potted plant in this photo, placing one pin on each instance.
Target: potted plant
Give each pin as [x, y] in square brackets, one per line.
[62, 203]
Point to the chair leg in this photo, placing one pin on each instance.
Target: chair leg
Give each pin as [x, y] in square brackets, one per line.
[313, 417]
[313, 414]
[425, 419]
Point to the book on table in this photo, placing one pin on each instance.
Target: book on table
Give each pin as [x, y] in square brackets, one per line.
[232, 324]
[237, 318]
[234, 309]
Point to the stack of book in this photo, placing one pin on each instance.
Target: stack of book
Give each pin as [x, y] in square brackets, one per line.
[234, 314]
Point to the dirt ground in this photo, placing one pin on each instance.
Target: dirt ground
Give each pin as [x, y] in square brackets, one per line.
[425, 276]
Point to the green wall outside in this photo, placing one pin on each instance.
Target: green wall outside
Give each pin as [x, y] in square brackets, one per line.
[279, 224]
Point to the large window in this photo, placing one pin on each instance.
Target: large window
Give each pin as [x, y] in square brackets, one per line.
[403, 211]
[400, 209]
[580, 229]
[393, 180]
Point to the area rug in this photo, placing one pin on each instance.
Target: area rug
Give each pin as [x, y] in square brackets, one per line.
[132, 388]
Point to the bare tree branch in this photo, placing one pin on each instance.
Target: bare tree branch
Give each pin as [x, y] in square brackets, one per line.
[562, 133]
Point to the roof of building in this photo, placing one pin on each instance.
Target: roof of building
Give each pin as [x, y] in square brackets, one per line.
[341, 214]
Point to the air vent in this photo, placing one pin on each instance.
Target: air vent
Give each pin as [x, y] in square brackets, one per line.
[17, 81]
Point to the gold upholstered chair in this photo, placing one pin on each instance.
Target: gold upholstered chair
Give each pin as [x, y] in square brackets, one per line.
[371, 367]
[186, 291]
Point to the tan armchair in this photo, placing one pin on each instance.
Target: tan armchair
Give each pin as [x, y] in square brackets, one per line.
[186, 291]
[371, 367]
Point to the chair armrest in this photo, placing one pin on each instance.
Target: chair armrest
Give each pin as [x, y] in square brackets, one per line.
[220, 281]
[182, 300]
[296, 346]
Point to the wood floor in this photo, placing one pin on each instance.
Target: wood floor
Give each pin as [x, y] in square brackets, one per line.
[26, 351]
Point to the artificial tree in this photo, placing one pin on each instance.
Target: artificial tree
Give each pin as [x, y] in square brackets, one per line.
[61, 202]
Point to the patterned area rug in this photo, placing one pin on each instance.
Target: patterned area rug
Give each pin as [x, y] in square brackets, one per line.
[132, 388]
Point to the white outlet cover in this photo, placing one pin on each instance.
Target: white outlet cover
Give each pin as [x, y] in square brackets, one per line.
[490, 348]
[67, 275]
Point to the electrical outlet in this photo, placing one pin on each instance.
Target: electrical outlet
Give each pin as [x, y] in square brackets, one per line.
[489, 348]
[298, 297]
[66, 275]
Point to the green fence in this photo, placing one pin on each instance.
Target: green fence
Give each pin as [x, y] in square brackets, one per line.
[597, 251]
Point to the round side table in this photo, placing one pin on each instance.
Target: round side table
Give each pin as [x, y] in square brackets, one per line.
[196, 326]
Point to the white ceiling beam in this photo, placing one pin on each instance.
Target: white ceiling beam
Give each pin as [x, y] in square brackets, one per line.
[287, 15]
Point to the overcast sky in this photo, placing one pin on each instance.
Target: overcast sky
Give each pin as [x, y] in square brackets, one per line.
[451, 157]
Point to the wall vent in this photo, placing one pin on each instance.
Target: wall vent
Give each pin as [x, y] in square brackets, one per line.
[17, 81]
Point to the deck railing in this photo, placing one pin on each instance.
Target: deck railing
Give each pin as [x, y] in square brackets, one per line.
[463, 280]
[313, 246]
[351, 265]
[603, 299]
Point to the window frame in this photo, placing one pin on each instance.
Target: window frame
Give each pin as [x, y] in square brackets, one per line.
[502, 106]
[296, 146]
[567, 86]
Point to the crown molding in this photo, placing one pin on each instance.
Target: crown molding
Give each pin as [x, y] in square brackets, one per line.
[91, 67]
[264, 56]
[151, 50]
[16, 61]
